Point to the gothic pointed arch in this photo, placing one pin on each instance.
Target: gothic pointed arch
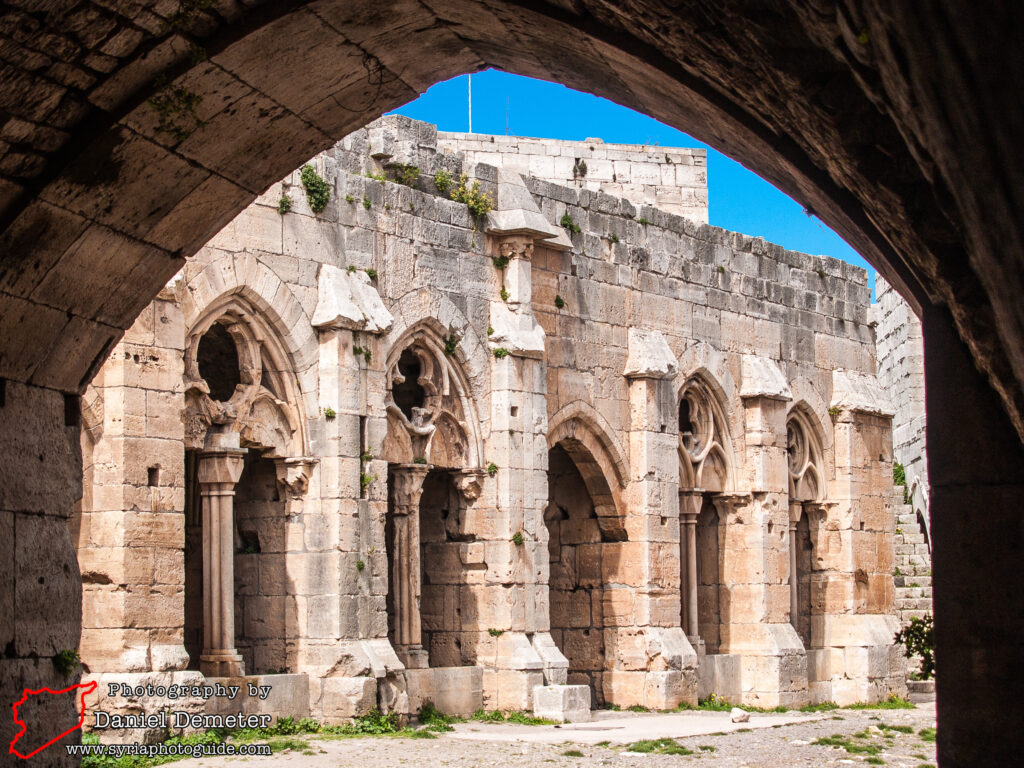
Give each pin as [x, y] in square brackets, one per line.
[705, 444]
[431, 414]
[805, 456]
[585, 436]
[240, 378]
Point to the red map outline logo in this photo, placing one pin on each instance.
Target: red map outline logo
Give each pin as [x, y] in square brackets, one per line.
[86, 689]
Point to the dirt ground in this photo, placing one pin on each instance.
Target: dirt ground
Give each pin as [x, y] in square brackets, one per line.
[767, 741]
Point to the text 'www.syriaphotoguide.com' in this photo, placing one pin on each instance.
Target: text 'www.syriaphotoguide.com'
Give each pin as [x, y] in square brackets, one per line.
[168, 750]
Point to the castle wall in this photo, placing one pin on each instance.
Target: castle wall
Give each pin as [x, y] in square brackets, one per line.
[672, 179]
[533, 335]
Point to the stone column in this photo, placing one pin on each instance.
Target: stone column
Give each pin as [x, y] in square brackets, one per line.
[795, 511]
[218, 472]
[406, 483]
[689, 507]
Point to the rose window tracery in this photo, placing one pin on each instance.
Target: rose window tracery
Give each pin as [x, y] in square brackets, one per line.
[804, 461]
[702, 441]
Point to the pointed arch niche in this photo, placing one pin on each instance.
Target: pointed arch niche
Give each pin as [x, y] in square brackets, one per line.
[433, 448]
[705, 474]
[805, 461]
[584, 515]
[246, 470]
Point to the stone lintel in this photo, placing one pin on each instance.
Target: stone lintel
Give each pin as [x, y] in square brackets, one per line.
[762, 377]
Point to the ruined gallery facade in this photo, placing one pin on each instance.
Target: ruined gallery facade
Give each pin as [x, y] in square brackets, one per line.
[391, 451]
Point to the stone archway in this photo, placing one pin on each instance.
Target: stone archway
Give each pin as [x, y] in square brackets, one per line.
[896, 126]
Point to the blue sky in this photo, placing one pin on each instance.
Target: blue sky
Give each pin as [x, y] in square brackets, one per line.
[739, 199]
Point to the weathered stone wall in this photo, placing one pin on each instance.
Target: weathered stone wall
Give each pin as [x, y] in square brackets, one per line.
[673, 179]
[900, 350]
[901, 371]
[534, 336]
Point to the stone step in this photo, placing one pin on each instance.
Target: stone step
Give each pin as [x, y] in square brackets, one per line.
[906, 616]
[906, 517]
[914, 604]
[902, 529]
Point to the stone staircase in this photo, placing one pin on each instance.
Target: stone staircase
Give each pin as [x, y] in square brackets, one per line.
[912, 572]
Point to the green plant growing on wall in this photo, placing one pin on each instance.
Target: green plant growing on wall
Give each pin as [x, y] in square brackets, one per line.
[500, 352]
[495, 632]
[284, 204]
[329, 413]
[919, 638]
[492, 469]
[490, 330]
[360, 565]
[559, 302]
[349, 199]
[479, 203]
[615, 238]
[500, 262]
[365, 479]
[318, 191]
[365, 352]
[351, 269]
[517, 538]
[834, 411]
[175, 107]
[66, 662]
[365, 456]
[407, 174]
[899, 477]
[443, 181]
[366, 202]
[377, 176]
[419, 460]
[569, 224]
[371, 273]
[503, 293]
[643, 220]
[450, 344]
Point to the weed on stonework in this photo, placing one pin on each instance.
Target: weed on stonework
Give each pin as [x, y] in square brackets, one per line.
[658, 747]
[927, 734]
[517, 718]
[843, 742]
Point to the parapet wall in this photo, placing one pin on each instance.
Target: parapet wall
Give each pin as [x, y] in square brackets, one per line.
[673, 179]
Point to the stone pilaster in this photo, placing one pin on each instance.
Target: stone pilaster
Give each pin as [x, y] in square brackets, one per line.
[689, 508]
[522, 656]
[219, 471]
[755, 561]
[650, 662]
[853, 624]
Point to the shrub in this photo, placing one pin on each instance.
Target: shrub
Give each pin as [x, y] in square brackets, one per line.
[569, 224]
[443, 181]
[66, 662]
[500, 352]
[318, 191]
[517, 538]
[284, 204]
[407, 174]
[479, 203]
[559, 302]
[492, 469]
[919, 639]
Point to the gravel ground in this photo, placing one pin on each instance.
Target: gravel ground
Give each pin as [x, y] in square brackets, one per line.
[762, 746]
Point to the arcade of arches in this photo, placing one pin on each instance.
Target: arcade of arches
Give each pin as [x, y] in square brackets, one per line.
[896, 125]
[389, 485]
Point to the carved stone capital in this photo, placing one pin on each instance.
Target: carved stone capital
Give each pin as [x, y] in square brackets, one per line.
[407, 486]
[293, 475]
[690, 503]
[469, 482]
[221, 467]
[516, 247]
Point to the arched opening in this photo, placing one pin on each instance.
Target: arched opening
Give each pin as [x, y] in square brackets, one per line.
[432, 450]
[709, 577]
[263, 595]
[578, 570]
[445, 574]
[704, 472]
[806, 488]
[787, 124]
